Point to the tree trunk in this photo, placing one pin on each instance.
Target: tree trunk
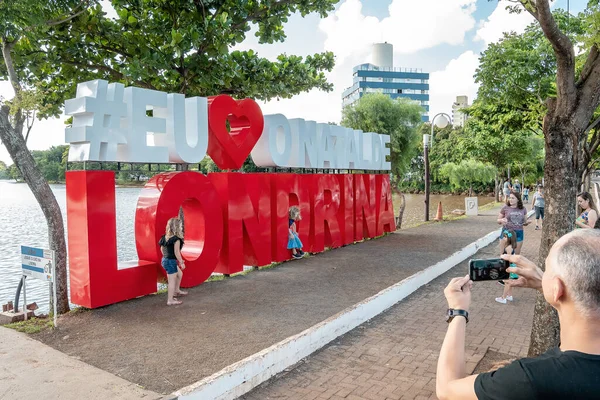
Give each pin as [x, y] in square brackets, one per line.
[588, 186]
[400, 212]
[496, 187]
[15, 144]
[560, 178]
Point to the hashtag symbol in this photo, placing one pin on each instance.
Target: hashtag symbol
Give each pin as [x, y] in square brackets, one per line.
[96, 131]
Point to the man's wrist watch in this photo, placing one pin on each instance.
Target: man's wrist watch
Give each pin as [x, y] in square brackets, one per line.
[456, 313]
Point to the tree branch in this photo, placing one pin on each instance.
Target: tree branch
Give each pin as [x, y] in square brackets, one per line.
[114, 73]
[589, 65]
[14, 80]
[29, 125]
[84, 3]
[563, 49]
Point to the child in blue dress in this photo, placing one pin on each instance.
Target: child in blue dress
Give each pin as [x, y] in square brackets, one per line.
[294, 242]
[510, 239]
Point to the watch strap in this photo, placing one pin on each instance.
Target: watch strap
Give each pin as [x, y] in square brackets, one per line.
[452, 312]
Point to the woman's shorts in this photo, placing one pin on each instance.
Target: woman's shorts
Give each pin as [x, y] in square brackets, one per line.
[519, 232]
[539, 212]
[506, 192]
[170, 265]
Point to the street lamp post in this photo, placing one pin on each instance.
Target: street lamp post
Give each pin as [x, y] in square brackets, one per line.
[427, 142]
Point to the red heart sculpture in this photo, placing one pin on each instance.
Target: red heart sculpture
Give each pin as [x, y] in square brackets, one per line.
[229, 150]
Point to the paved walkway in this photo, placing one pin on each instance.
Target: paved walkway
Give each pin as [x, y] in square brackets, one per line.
[223, 322]
[394, 356]
[32, 370]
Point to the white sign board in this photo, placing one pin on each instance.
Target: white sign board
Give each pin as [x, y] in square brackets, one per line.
[471, 206]
[110, 123]
[37, 263]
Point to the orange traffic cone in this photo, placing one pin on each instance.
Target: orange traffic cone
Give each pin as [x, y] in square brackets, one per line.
[440, 214]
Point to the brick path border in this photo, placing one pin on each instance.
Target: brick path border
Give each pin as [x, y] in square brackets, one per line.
[241, 377]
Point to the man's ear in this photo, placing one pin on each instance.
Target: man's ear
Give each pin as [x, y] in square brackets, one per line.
[559, 290]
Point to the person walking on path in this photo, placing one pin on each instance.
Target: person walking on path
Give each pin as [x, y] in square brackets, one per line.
[512, 217]
[570, 285]
[589, 214]
[170, 244]
[539, 202]
[506, 190]
[526, 195]
[517, 187]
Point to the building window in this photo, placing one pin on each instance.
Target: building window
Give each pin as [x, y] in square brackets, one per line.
[399, 90]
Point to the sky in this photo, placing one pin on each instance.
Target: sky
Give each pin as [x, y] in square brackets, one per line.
[442, 37]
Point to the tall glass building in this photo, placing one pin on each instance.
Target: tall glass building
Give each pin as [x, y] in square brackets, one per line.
[383, 77]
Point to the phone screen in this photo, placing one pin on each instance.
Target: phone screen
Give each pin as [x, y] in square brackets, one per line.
[488, 270]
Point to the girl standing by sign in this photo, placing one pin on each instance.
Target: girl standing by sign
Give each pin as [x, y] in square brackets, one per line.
[170, 245]
[294, 242]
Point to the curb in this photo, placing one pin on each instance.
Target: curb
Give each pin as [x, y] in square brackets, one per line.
[243, 376]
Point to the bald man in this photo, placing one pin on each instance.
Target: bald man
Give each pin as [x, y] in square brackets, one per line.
[570, 284]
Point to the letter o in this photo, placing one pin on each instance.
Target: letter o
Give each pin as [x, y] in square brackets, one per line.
[160, 200]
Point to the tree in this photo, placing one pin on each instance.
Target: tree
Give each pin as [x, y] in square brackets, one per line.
[519, 74]
[399, 118]
[488, 139]
[24, 22]
[175, 46]
[3, 170]
[468, 172]
[565, 127]
[13, 173]
[51, 163]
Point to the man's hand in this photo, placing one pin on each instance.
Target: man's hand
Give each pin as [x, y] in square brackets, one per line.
[530, 276]
[458, 293]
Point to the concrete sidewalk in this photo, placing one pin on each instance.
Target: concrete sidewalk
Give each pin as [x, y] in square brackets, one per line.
[166, 348]
[394, 356]
[32, 370]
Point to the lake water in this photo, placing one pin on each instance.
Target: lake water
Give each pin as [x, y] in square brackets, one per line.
[22, 222]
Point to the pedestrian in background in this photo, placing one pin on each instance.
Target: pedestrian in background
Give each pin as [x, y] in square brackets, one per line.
[589, 214]
[539, 202]
[506, 190]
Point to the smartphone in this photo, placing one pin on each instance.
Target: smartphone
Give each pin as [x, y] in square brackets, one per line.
[491, 269]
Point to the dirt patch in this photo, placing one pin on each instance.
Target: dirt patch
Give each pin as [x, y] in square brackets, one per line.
[166, 348]
[493, 360]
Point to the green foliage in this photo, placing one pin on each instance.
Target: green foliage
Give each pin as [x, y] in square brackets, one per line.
[489, 139]
[51, 162]
[179, 46]
[468, 172]
[4, 171]
[398, 118]
[518, 73]
[13, 173]
[446, 147]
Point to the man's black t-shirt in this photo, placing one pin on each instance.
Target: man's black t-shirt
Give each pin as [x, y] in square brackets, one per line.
[553, 375]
